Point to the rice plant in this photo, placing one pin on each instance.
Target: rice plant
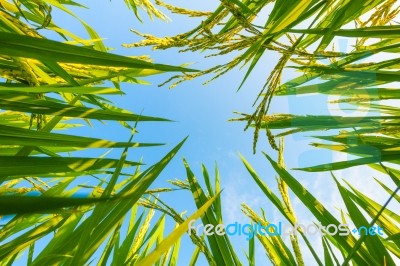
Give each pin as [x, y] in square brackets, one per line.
[304, 34]
[45, 84]
[50, 85]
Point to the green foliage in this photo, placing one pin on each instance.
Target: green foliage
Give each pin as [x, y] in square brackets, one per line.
[46, 83]
[218, 250]
[304, 33]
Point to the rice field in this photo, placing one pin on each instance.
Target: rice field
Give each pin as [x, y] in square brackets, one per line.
[66, 199]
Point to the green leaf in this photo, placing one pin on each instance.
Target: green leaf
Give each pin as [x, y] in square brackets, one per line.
[20, 136]
[28, 104]
[60, 89]
[52, 51]
[13, 204]
[32, 166]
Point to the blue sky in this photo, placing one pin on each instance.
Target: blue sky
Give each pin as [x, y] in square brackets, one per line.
[201, 112]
